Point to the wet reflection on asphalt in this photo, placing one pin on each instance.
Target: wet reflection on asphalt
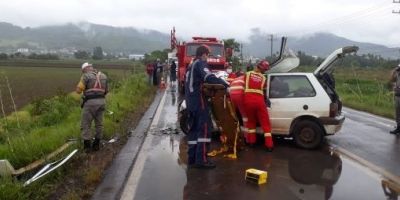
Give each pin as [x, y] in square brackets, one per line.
[292, 173]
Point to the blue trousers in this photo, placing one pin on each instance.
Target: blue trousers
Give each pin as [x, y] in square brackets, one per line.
[199, 137]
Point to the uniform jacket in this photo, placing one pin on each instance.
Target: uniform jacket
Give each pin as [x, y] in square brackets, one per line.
[197, 74]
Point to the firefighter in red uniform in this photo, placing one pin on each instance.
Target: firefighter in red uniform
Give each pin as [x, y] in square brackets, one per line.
[255, 105]
[236, 93]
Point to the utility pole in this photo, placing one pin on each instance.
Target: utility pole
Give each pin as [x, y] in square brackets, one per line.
[272, 39]
[398, 11]
[272, 43]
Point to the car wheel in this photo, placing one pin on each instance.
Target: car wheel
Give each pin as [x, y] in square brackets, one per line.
[308, 134]
[183, 121]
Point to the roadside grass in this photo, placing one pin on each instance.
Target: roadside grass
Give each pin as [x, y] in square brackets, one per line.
[366, 89]
[46, 124]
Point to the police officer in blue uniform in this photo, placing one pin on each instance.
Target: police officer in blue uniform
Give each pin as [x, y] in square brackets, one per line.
[199, 136]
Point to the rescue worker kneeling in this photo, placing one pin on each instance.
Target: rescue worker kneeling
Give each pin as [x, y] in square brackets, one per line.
[255, 105]
[199, 136]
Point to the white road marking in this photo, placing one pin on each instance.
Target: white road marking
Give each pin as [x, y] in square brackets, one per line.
[374, 168]
[129, 191]
[368, 116]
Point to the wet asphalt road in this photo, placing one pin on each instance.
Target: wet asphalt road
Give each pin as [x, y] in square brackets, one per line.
[368, 136]
[160, 171]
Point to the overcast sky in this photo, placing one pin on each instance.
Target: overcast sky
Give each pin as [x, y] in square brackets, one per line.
[359, 20]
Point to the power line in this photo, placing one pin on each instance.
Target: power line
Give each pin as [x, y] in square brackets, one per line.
[361, 14]
[393, 11]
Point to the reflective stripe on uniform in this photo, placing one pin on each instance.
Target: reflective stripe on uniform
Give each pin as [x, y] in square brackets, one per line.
[252, 90]
[191, 76]
[267, 135]
[207, 75]
[192, 142]
[251, 130]
[97, 87]
[238, 81]
[236, 88]
[244, 129]
[203, 140]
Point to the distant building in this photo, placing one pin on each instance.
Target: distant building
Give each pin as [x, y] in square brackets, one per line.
[136, 56]
[23, 50]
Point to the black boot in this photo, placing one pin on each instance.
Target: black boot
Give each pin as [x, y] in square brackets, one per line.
[96, 144]
[269, 149]
[87, 145]
[395, 131]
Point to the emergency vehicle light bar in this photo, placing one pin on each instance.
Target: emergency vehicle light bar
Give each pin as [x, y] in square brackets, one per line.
[210, 39]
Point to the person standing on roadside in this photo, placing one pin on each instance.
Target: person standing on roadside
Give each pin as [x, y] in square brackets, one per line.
[149, 71]
[155, 78]
[94, 86]
[199, 119]
[395, 81]
[172, 72]
[159, 68]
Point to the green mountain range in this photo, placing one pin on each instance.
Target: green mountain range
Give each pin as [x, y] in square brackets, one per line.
[85, 36]
[317, 44]
[81, 36]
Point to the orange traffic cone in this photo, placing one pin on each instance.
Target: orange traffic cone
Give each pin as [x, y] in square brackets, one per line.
[162, 84]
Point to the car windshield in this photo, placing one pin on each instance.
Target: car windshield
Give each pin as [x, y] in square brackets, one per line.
[216, 50]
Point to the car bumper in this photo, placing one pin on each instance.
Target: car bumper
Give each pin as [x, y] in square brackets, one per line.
[332, 125]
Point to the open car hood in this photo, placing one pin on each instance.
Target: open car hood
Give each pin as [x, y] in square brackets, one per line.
[327, 65]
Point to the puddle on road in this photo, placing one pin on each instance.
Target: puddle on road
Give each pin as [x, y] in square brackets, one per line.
[164, 176]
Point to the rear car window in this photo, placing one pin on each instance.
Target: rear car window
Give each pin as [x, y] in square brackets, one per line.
[290, 87]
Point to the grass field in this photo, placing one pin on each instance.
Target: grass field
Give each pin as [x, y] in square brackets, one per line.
[364, 89]
[29, 83]
[46, 124]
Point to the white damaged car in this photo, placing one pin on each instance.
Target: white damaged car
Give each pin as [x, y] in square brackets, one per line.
[304, 106]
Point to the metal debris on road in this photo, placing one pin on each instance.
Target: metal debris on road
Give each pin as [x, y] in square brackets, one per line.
[46, 169]
[168, 130]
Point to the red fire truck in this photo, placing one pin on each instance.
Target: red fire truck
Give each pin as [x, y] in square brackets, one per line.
[186, 52]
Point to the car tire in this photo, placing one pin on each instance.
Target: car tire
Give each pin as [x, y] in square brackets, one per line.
[183, 121]
[308, 134]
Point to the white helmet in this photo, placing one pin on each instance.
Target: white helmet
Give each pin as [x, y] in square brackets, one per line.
[84, 65]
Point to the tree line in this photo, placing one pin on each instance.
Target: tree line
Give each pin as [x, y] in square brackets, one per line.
[97, 54]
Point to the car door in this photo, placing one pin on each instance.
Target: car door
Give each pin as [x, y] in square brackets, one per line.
[290, 96]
